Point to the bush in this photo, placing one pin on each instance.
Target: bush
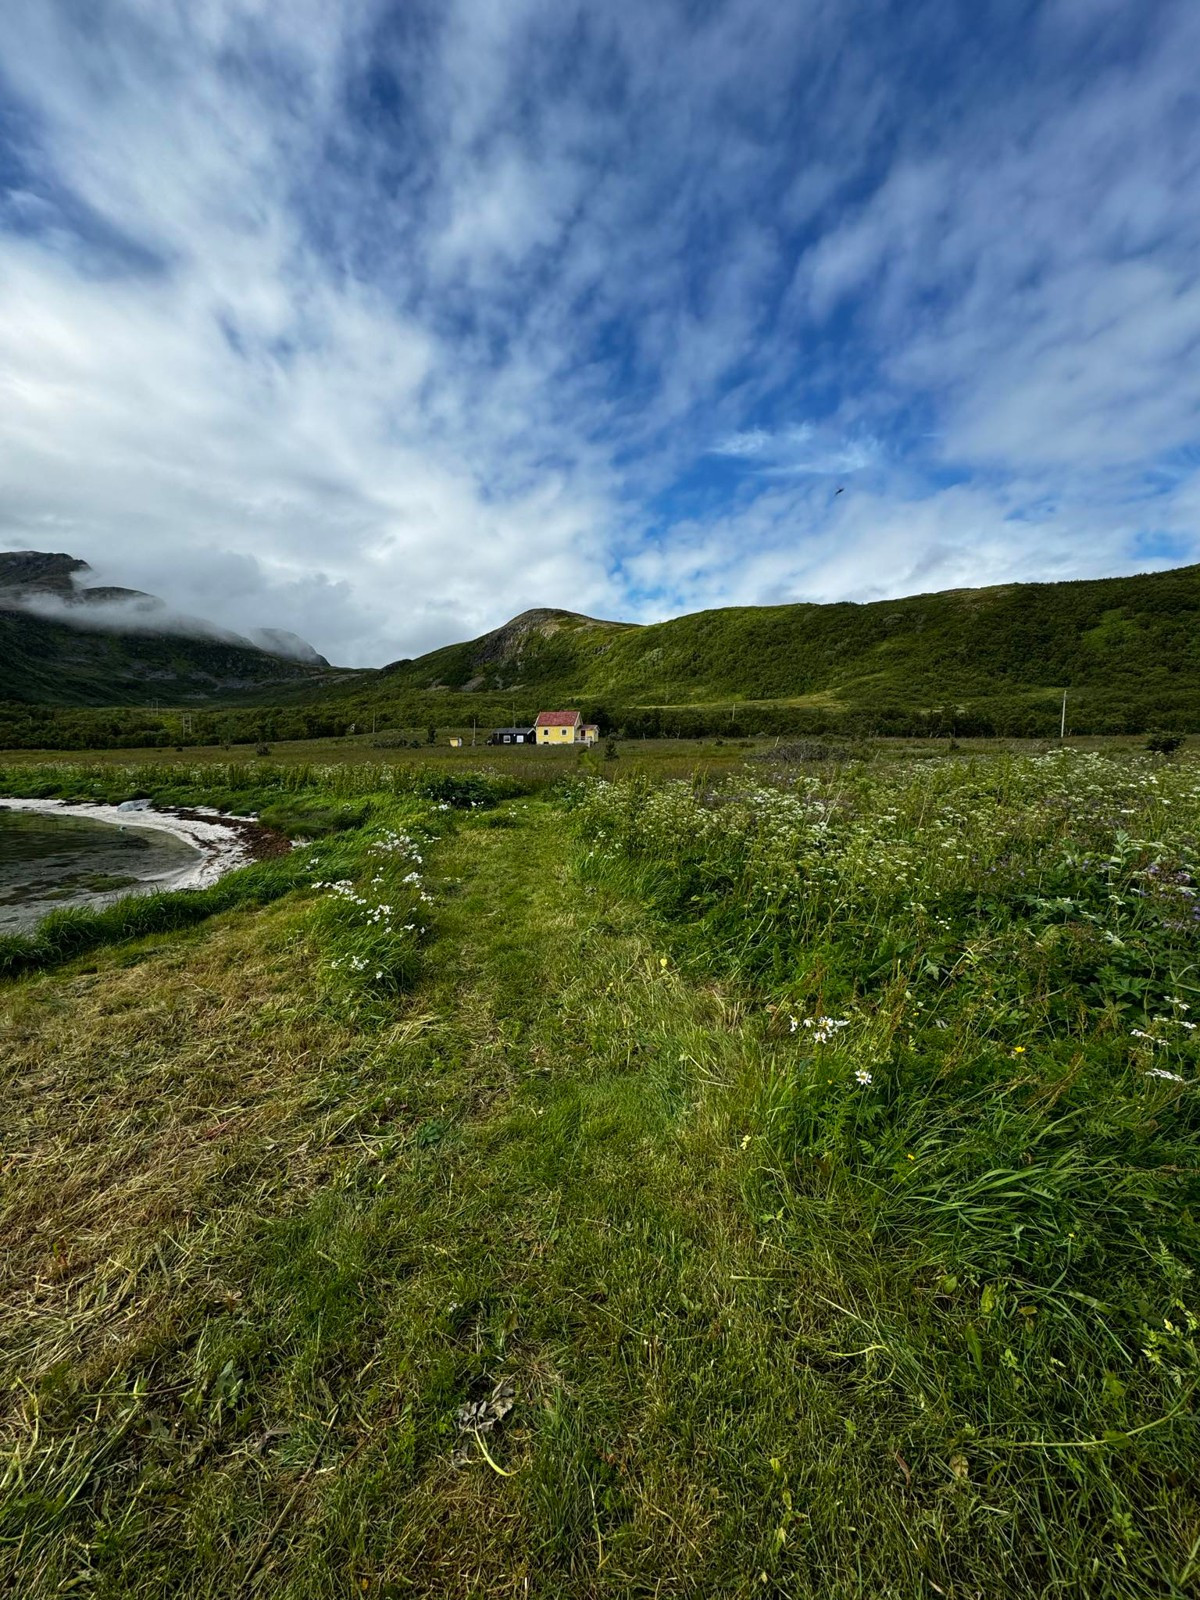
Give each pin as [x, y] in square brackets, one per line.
[311, 817]
[465, 793]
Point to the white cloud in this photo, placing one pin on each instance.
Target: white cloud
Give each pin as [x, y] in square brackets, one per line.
[802, 450]
[751, 444]
[382, 323]
[796, 544]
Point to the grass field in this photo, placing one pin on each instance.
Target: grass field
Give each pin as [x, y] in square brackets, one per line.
[744, 1177]
[536, 768]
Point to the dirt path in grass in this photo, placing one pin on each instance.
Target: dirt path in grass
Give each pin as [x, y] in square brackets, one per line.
[468, 1306]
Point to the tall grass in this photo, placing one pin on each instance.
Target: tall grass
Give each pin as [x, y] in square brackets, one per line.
[810, 1156]
[248, 786]
[979, 1136]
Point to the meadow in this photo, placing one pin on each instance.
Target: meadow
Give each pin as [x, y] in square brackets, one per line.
[747, 1171]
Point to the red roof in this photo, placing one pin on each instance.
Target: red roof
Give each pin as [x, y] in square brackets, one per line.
[557, 719]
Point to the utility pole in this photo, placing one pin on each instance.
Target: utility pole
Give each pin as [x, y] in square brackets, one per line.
[1062, 732]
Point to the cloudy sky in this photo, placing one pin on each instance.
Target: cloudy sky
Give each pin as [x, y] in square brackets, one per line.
[384, 321]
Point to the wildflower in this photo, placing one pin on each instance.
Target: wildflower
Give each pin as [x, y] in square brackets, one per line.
[863, 1077]
[825, 1028]
[1161, 1072]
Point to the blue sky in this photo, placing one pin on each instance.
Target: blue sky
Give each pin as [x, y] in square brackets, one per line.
[383, 322]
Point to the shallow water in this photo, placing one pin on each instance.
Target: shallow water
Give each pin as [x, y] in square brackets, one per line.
[47, 863]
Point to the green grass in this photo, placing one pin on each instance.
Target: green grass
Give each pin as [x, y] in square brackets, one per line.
[273, 1218]
[989, 1154]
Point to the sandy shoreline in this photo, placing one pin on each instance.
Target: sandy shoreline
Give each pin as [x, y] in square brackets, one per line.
[221, 842]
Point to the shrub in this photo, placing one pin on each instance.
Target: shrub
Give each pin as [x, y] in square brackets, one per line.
[463, 792]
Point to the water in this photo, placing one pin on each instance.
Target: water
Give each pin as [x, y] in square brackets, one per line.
[50, 862]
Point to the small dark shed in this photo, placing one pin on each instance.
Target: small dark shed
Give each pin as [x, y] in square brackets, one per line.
[513, 736]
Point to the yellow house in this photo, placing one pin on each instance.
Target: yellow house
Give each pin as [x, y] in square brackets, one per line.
[564, 727]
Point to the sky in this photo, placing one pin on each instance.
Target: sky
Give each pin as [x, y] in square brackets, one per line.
[383, 322]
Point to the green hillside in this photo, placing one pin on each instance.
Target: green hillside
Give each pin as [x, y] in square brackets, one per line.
[1126, 649]
[965, 641]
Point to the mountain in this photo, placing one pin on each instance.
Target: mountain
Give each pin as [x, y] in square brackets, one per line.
[281, 642]
[29, 578]
[1127, 651]
[540, 646]
[63, 642]
[1117, 642]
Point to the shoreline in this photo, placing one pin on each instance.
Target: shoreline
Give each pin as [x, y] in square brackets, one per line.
[223, 843]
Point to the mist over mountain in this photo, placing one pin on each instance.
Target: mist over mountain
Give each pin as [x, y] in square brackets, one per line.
[55, 588]
[68, 642]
